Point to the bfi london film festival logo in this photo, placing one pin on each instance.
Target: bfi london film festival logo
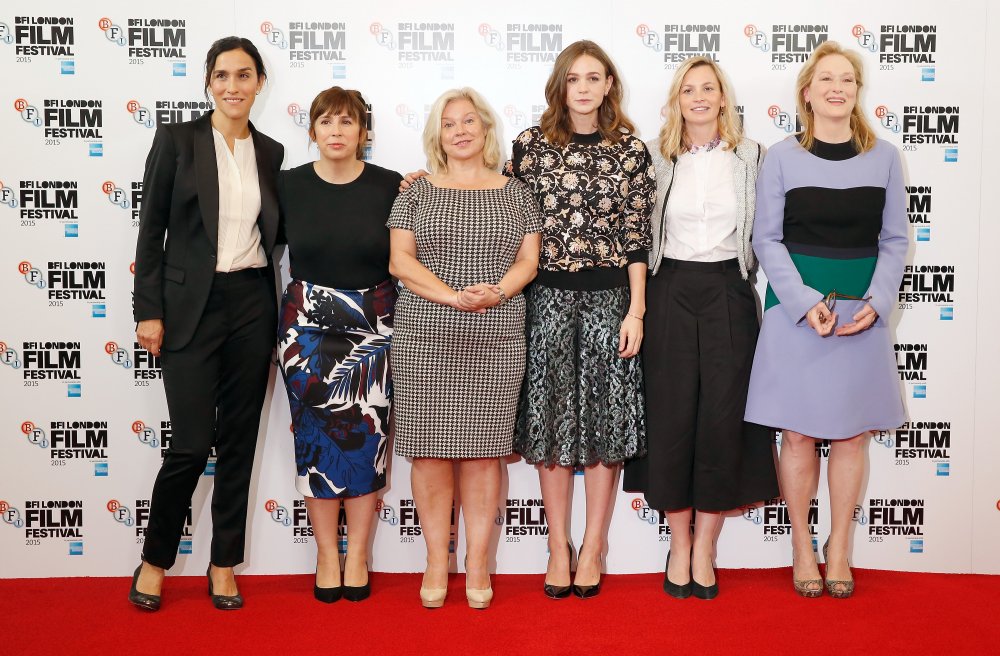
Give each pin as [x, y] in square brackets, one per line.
[678, 43]
[127, 198]
[311, 42]
[40, 361]
[42, 37]
[912, 46]
[137, 519]
[787, 122]
[523, 518]
[524, 43]
[407, 521]
[162, 39]
[300, 117]
[919, 442]
[143, 365]
[892, 518]
[419, 43]
[653, 517]
[773, 519]
[146, 435]
[167, 112]
[911, 365]
[45, 202]
[924, 125]
[522, 120]
[67, 442]
[48, 519]
[918, 210]
[66, 120]
[70, 282]
[787, 44]
[928, 285]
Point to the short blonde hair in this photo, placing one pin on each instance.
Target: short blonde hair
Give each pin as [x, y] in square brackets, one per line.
[437, 160]
[861, 131]
[672, 133]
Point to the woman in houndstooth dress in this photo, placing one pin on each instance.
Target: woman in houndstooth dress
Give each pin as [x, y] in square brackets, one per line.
[464, 243]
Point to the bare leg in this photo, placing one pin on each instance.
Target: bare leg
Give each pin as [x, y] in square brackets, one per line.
[798, 471]
[680, 546]
[324, 514]
[433, 483]
[150, 579]
[555, 485]
[706, 527]
[600, 482]
[479, 482]
[360, 516]
[844, 474]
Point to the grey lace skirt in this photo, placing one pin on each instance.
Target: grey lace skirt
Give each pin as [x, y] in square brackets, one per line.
[580, 402]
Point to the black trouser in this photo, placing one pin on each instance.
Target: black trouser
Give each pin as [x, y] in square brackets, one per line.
[701, 331]
[215, 390]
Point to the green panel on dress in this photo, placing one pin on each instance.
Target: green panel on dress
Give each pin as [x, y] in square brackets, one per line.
[824, 274]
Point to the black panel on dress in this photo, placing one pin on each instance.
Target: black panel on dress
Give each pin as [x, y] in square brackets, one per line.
[838, 218]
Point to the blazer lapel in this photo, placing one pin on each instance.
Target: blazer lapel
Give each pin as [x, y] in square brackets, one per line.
[206, 170]
[268, 219]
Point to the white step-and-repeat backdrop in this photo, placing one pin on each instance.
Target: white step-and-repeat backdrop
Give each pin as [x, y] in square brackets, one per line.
[84, 422]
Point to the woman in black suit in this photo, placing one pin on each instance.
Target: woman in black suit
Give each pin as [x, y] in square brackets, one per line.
[205, 303]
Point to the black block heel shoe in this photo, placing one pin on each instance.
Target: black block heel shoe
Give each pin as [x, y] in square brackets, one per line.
[223, 602]
[671, 588]
[359, 592]
[560, 591]
[144, 601]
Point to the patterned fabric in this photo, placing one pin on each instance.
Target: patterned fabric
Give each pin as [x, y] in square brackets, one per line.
[596, 196]
[333, 351]
[457, 374]
[581, 402]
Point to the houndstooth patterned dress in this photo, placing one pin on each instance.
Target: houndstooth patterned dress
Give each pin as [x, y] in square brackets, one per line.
[457, 375]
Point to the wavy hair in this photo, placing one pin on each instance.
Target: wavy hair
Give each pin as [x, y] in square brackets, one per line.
[861, 131]
[437, 160]
[611, 119]
[672, 133]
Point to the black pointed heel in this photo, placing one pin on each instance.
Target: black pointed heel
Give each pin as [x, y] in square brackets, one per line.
[223, 602]
[144, 601]
[560, 591]
[359, 592]
[674, 590]
[705, 591]
[588, 591]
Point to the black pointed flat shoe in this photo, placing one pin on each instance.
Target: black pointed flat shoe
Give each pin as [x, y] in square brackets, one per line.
[144, 601]
[223, 602]
[674, 590]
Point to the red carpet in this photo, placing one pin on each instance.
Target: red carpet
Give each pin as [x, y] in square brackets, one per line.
[757, 612]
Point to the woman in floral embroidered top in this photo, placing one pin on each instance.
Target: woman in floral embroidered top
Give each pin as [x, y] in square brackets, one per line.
[582, 401]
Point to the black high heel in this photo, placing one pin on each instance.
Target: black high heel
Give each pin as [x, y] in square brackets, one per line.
[223, 602]
[705, 591]
[144, 601]
[560, 591]
[588, 591]
[358, 592]
[673, 589]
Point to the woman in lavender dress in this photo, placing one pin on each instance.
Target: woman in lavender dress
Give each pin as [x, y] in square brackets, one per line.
[830, 234]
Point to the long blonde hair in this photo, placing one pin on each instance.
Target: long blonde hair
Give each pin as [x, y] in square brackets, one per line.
[437, 160]
[862, 134]
[672, 133]
[611, 118]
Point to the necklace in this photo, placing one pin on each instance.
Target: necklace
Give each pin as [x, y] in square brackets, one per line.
[711, 145]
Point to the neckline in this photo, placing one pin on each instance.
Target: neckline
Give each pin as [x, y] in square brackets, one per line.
[341, 185]
[834, 152]
[589, 138]
[434, 186]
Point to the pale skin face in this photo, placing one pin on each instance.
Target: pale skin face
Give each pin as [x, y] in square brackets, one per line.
[234, 84]
[463, 135]
[337, 135]
[701, 100]
[587, 83]
[833, 90]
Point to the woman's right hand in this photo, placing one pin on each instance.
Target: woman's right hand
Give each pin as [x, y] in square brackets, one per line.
[821, 319]
[149, 334]
[410, 178]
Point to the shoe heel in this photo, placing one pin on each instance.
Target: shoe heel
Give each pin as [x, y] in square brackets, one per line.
[479, 599]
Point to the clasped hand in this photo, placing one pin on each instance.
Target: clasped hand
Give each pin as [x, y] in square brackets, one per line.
[822, 320]
[477, 298]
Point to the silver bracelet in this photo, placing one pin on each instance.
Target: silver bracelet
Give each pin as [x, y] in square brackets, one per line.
[503, 297]
[634, 316]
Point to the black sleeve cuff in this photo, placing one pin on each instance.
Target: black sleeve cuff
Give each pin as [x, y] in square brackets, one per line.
[640, 256]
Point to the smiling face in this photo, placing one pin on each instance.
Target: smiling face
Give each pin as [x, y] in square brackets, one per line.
[833, 90]
[701, 97]
[337, 135]
[586, 85]
[463, 135]
[234, 84]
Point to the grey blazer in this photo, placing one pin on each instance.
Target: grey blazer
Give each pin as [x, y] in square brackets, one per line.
[749, 156]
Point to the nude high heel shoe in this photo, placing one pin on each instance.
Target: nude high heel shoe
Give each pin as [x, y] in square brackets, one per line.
[477, 598]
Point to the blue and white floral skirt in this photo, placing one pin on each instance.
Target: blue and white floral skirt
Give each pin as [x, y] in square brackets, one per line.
[333, 351]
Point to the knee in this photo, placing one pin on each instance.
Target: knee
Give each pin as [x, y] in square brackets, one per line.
[796, 441]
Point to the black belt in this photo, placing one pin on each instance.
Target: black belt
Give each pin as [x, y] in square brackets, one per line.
[718, 267]
[242, 274]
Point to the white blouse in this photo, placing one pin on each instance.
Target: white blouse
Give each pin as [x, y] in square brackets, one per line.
[239, 206]
[701, 208]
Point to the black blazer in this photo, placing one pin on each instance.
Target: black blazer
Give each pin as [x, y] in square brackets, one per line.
[180, 198]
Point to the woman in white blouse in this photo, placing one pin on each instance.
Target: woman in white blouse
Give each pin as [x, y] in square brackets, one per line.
[701, 327]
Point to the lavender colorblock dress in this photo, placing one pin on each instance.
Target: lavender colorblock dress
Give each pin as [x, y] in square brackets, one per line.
[828, 219]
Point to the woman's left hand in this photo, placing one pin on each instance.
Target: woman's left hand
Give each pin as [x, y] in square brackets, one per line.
[863, 320]
[629, 336]
[480, 296]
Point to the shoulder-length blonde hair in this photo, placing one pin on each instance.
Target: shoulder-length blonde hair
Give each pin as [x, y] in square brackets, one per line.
[611, 119]
[861, 131]
[672, 133]
[437, 160]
